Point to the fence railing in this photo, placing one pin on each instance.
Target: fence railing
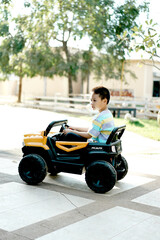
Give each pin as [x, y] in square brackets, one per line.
[81, 104]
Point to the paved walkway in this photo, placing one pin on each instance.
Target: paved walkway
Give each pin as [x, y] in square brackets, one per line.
[63, 207]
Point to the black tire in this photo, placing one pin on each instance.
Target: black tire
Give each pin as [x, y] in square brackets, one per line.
[32, 169]
[100, 176]
[121, 168]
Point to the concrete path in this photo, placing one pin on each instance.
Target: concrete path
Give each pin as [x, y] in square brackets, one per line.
[63, 207]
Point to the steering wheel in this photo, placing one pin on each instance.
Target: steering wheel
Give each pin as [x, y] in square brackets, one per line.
[63, 127]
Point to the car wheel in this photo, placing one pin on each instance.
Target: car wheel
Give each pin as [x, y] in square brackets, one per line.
[100, 176]
[121, 168]
[32, 169]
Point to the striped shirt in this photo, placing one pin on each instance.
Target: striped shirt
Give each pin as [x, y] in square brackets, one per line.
[102, 126]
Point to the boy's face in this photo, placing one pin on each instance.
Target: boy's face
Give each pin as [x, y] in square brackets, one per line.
[98, 103]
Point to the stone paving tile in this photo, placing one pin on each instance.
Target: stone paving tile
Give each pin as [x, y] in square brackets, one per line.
[8, 166]
[151, 199]
[63, 207]
[148, 230]
[33, 212]
[116, 223]
[144, 163]
[23, 205]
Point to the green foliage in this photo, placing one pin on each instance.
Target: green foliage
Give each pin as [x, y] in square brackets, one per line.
[40, 61]
[144, 38]
[18, 43]
[145, 127]
[86, 64]
[61, 20]
[5, 1]
[4, 56]
[149, 39]
[113, 69]
[4, 14]
[28, 50]
[4, 29]
[119, 22]
[57, 20]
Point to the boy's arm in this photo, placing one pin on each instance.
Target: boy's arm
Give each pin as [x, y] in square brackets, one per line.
[82, 134]
[79, 129]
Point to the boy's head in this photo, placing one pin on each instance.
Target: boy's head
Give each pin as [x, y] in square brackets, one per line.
[102, 92]
[100, 98]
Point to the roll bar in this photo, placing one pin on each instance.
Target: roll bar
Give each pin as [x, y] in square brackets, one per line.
[54, 124]
[116, 134]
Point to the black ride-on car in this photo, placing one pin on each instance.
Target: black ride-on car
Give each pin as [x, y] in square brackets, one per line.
[45, 152]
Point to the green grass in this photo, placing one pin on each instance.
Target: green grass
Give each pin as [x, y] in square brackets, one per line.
[145, 127]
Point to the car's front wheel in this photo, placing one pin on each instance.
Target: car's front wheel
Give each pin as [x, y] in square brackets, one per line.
[32, 169]
[100, 176]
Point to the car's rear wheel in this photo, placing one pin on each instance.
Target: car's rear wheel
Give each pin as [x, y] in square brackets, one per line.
[32, 169]
[121, 168]
[100, 176]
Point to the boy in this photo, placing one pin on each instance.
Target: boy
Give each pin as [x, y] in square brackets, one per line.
[102, 124]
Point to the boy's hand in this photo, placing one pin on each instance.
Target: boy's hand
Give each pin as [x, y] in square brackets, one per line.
[67, 130]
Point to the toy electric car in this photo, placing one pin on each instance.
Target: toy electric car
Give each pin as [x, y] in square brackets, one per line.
[45, 152]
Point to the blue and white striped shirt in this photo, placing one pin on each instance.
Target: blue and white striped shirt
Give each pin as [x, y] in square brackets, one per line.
[102, 126]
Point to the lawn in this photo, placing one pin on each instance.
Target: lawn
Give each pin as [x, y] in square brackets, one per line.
[145, 127]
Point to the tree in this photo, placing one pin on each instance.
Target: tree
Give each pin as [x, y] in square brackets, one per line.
[29, 47]
[62, 20]
[11, 45]
[111, 62]
[18, 55]
[12, 52]
[147, 39]
[59, 21]
[4, 32]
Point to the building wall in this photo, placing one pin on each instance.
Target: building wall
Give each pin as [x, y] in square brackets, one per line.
[8, 88]
[39, 86]
[141, 87]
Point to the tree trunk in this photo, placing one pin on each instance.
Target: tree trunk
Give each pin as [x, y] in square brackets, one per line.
[20, 90]
[122, 73]
[88, 75]
[81, 88]
[65, 49]
[20, 83]
[70, 88]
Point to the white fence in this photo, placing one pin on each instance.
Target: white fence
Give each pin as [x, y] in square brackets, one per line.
[145, 108]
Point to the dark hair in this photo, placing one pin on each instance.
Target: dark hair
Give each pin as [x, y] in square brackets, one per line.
[103, 92]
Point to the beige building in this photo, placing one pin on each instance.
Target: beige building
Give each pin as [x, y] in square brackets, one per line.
[146, 85]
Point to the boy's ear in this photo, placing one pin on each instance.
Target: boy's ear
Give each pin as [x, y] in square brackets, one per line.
[105, 100]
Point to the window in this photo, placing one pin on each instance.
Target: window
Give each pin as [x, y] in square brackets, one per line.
[156, 89]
